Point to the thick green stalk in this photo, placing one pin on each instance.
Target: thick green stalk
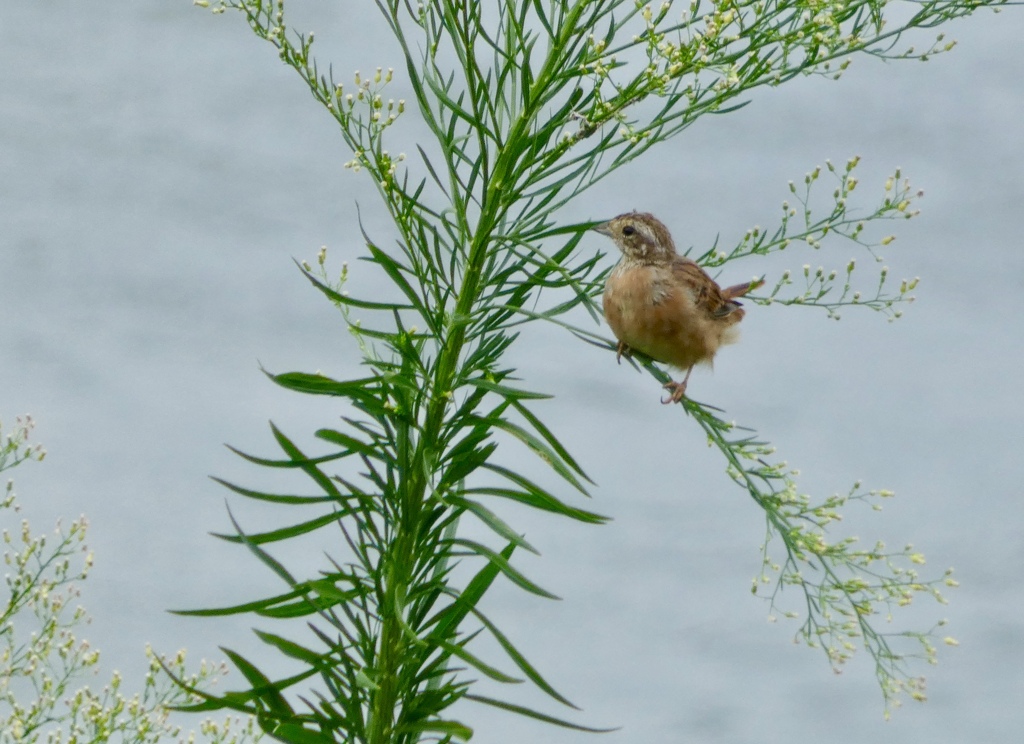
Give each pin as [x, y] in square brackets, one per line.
[397, 583]
[389, 657]
[491, 209]
[397, 575]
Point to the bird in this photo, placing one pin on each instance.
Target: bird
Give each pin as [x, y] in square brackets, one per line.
[663, 304]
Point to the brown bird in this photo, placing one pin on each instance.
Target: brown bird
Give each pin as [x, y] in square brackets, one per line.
[663, 304]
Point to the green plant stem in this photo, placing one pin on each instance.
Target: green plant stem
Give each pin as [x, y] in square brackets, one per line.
[383, 714]
[494, 201]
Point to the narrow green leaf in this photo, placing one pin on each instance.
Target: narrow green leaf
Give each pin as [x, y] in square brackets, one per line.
[542, 450]
[520, 661]
[530, 713]
[493, 521]
[396, 272]
[305, 607]
[457, 650]
[273, 497]
[509, 393]
[464, 458]
[256, 606]
[264, 557]
[307, 466]
[262, 687]
[504, 566]
[328, 588]
[433, 173]
[449, 619]
[292, 649]
[540, 500]
[365, 682]
[296, 734]
[550, 438]
[352, 444]
[284, 533]
[290, 463]
[302, 382]
[351, 301]
[436, 726]
[538, 497]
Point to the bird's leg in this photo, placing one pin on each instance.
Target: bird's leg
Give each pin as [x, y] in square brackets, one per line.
[622, 351]
[678, 389]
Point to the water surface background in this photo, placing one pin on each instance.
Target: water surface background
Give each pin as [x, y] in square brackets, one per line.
[159, 168]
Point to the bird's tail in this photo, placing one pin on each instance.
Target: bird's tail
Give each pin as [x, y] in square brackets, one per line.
[738, 290]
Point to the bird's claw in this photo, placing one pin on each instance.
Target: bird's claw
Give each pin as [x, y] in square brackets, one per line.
[622, 351]
[678, 392]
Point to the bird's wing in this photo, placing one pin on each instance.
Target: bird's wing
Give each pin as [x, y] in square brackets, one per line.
[707, 295]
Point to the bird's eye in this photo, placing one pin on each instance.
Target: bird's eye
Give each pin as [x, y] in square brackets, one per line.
[628, 230]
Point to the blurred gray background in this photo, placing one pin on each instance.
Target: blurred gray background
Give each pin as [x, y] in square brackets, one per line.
[160, 168]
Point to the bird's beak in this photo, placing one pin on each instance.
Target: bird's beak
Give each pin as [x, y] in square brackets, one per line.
[603, 229]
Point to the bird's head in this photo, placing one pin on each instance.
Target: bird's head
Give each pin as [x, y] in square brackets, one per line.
[640, 236]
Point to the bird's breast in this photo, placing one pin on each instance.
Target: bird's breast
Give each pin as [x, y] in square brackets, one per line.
[652, 313]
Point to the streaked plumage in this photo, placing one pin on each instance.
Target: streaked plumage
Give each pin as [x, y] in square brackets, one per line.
[663, 304]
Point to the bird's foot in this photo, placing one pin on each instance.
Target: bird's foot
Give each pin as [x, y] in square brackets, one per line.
[623, 351]
[678, 392]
